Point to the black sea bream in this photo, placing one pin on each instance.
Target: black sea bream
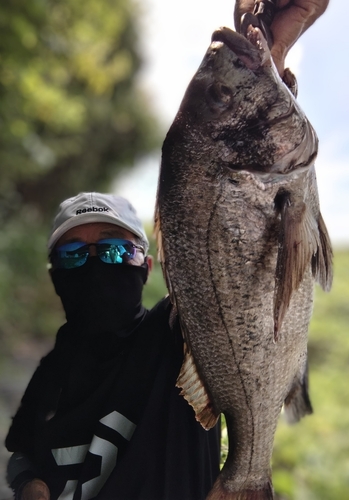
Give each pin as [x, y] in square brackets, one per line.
[242, 241]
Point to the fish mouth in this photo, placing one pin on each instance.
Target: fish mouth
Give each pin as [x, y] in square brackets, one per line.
[253, 51]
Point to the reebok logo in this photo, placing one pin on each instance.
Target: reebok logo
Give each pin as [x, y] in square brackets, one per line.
[93, 209]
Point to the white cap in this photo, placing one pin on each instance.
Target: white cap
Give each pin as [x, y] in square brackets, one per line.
[96, 207]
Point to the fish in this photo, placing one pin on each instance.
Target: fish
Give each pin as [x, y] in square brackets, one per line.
[242, 241]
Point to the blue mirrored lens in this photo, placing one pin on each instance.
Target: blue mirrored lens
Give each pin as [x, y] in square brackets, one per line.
[115, 251]
[75, 254]
[71, 255]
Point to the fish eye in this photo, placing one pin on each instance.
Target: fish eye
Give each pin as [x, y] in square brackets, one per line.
[238, 64]
[219, 94]
[226, 92]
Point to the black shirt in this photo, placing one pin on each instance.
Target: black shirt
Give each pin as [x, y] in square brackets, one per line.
[120, 429]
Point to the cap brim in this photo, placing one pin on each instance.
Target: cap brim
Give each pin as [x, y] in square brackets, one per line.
[86, 219]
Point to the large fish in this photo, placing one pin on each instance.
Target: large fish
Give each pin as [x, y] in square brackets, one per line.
[242, 240]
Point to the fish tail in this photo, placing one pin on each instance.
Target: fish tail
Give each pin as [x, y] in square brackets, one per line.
[222, 492]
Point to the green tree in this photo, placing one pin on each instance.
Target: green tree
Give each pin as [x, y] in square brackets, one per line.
[71, 117]
[71, 114]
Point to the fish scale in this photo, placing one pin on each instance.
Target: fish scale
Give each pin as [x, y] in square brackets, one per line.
[241, 242]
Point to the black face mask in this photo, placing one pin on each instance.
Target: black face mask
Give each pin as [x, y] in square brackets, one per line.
[99, 297]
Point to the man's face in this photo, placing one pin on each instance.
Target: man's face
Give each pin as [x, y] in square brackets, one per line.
[95, 231]
[108, 293]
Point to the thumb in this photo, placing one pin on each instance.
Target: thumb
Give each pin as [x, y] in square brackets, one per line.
[290, 23]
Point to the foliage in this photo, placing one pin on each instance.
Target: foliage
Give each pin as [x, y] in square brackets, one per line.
[71, 117]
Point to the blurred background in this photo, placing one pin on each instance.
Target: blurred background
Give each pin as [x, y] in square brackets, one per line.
[88, 90]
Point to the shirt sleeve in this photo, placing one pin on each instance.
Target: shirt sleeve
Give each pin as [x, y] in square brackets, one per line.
[20, 471]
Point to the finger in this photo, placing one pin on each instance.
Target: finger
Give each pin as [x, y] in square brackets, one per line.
[308, 10]
[287, 27]
[241, 7]
[289, 24]
[35, 490]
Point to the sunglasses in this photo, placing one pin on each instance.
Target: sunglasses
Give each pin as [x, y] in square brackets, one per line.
[112, 251]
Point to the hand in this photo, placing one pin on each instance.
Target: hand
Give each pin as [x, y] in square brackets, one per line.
[292, 19]
[35, 490]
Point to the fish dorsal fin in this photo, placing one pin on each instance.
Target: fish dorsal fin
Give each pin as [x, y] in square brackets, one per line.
[161, 254]
[194, 391]
[158, 236]
[303, 242]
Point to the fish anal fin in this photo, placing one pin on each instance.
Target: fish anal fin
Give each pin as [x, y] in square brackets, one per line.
[220, 491]
[299, 242]
[322, 260]
[194, 392]
[297, 403]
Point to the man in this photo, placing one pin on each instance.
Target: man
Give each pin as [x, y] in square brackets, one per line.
[101, 417]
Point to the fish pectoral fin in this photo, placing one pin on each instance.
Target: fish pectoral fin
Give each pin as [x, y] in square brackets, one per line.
[194, 392]
[302, 243]
[322, 260]
[297, 404]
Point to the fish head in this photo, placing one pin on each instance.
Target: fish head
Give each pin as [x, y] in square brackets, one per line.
[239, 111]
[229, 87]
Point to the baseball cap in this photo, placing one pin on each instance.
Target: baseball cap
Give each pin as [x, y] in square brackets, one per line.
[96, 207]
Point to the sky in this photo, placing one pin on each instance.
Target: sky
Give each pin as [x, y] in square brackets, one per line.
[175, 35]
